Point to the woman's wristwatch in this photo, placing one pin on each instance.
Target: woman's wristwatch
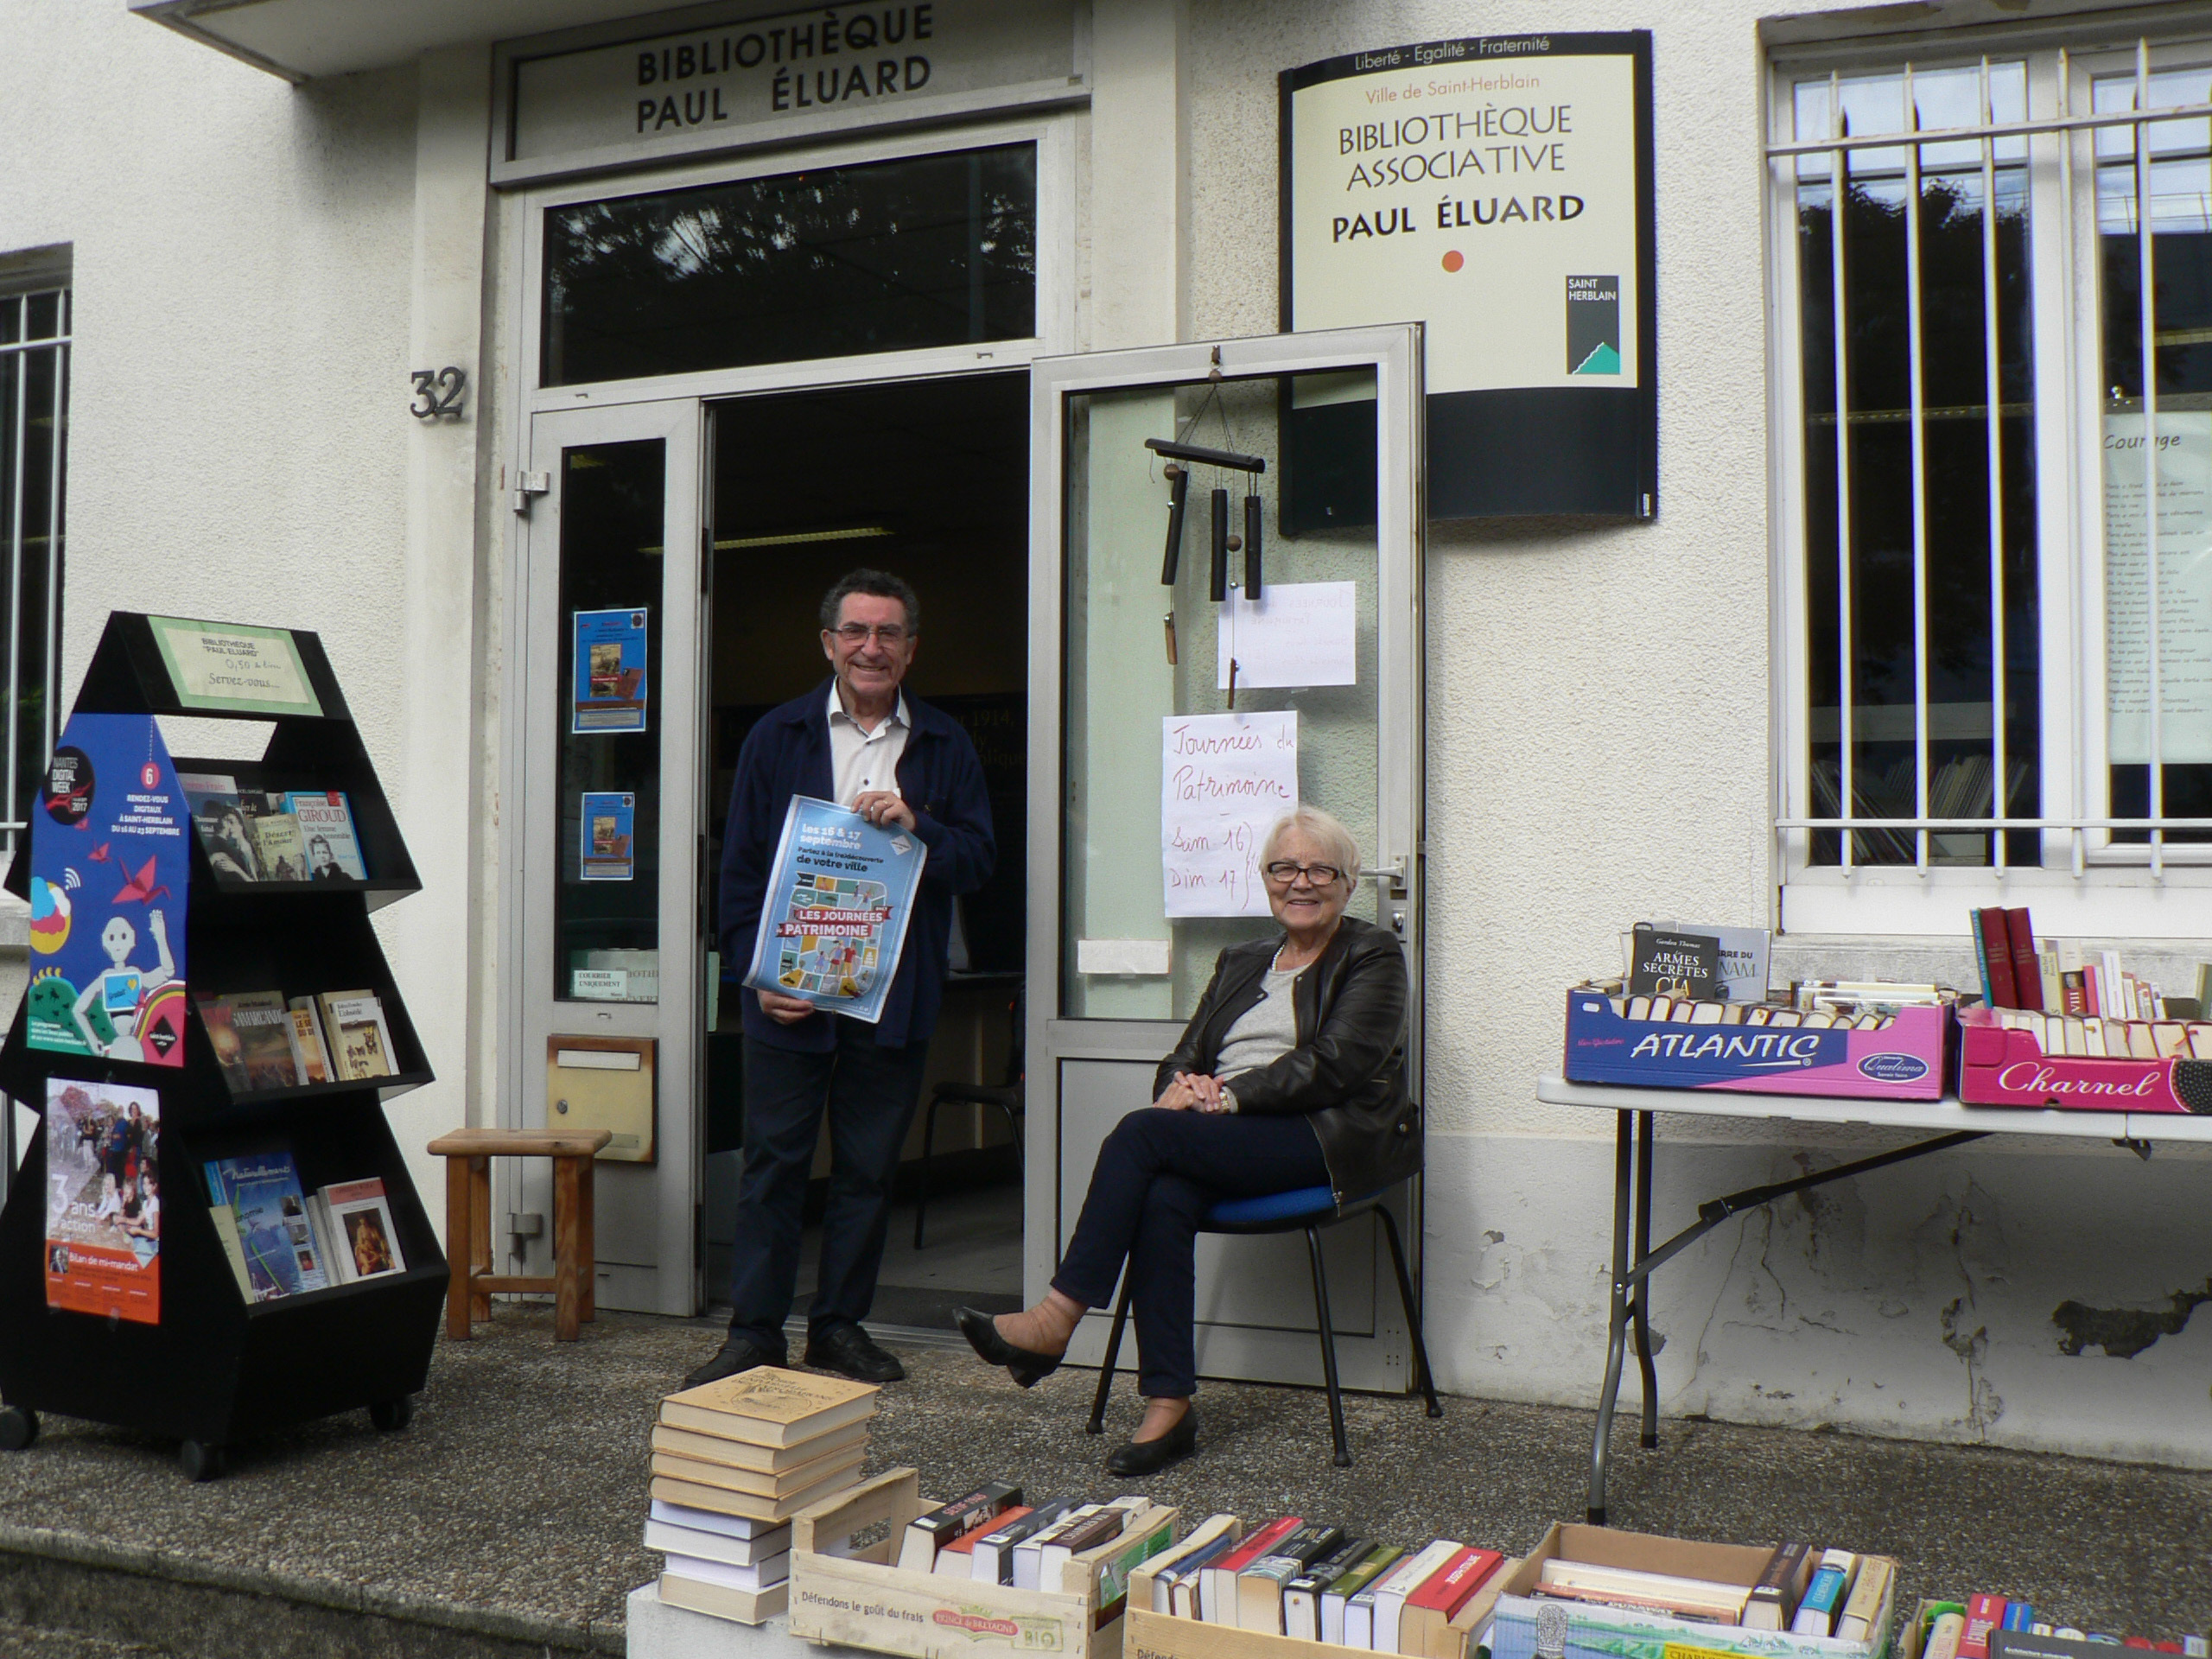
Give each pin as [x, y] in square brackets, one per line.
[1228, 1099]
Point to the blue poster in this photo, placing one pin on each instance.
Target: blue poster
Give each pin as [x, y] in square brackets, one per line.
[110, 856]
[610, 819]
[834, 918]
[610, 672]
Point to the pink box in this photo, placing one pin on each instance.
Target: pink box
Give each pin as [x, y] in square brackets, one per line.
[2005, 1067]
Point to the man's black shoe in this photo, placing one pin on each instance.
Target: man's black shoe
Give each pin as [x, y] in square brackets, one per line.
[846, 1350]
[736, 1354]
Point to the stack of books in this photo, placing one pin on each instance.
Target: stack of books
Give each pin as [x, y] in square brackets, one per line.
[1987, 1626]
[281, 1239]
[732, 1463]
[1313, 1581]
[2059, 977]
[1803, 1589]
[993, 1536]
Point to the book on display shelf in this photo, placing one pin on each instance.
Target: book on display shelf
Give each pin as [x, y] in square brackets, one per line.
[1259, 1583]
[360, 1041]
[957, 1559]
[1215, 1534]
[308, 1052]
[326, 821]
[1301, 1595]
[929, 1533]
[1337, 1598]
[278, 842]
[992, 1560]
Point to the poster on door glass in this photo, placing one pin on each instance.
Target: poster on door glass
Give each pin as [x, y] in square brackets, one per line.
[834, 918]
[103, 1200]
[610, 819]
[2183, 465]
[609, 694]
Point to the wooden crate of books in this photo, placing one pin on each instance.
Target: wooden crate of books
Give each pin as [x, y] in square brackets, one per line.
[844, 1589]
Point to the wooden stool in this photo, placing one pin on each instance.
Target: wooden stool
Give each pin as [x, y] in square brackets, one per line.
[468, 1155]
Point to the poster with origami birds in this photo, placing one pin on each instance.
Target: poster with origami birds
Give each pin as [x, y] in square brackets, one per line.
[110, 853]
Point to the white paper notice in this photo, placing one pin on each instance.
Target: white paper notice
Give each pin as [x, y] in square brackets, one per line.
[1306, 633]
[1223, 781]
[2184, 466]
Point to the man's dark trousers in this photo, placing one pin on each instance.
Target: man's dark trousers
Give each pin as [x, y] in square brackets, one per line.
[870, 1091]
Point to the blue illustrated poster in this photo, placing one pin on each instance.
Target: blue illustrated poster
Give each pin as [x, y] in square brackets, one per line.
[610, 672]
[834, 918]
[111, 850]
[610, 819]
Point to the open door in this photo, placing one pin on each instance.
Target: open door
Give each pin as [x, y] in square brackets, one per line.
[1136, 880]
[605, 988]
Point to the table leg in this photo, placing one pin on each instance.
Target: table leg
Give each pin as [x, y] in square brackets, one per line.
[586, 1242]
[567, 1200]
[480, 1236]
[1642, 1249]
[458, 1232]
[1616, 1322]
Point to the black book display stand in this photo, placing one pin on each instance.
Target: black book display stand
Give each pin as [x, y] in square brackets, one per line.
[201, 1362]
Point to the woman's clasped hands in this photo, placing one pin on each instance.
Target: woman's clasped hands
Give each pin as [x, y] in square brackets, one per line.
[1192, 1091]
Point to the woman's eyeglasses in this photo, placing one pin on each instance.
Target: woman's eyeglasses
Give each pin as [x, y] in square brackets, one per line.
[1284, 874]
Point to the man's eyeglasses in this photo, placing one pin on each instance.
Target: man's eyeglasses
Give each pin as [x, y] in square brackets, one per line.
[858, 633]
[1285, 874]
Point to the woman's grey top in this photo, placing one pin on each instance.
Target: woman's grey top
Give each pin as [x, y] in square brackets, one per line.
[1264, 1033]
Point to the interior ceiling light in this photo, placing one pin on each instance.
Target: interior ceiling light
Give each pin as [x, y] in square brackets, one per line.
[791, 538]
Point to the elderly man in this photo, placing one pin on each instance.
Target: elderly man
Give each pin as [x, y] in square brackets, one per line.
[860, 741]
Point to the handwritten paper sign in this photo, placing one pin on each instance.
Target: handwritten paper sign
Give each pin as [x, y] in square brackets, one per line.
[1223, 781]
[230, 665]
[2185, 525]
[1305, 633]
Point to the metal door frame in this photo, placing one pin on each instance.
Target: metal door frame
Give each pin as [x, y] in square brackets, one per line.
[1393, 352]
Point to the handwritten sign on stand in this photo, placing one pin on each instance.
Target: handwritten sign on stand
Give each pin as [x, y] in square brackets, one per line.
[1223, 781]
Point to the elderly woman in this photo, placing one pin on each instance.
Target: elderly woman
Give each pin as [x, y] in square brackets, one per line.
[1291, 1074]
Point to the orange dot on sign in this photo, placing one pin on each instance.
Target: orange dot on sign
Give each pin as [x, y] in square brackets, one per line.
[1454, 259]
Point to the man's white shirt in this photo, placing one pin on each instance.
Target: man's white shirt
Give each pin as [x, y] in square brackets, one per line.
[862, 761]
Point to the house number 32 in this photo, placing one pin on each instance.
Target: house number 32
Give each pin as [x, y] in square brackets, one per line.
[438, 393]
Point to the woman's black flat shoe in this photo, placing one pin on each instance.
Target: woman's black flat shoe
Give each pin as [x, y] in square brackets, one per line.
[1026, 1368]
[1150, 1457]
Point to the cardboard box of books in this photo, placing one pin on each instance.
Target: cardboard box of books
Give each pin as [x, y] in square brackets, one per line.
[2010, 1057]
[1661, 1043]
[847, 1587]
[1595, 1593]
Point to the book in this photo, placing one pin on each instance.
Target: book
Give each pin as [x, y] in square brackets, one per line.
[1773, 1600]
[705, 1569]
[268, 1207]
[992, 1555]
[805, 1476]
[928, 1533]
[1997, 955]
[1260, 1582]
[1862, 1619]
[1744, 954]
[699, 1496]
[1302, 1596]
[364, 1237]
[307, 1051]
[1150, 1534]
[361, 1044]
[1424, 1625]
[223, 1041]
[227, 1229]
[1063, 1543]
[1824, 1596]
[326, 821]
[2054, 985]
[729, 1526]
[1337, 1595]
[769, 1406]
[1200, 1545]
[1622, 1586]
[1672, 963]
[263, 1026]
[741, 1454]
[720, 1601]
[1943, 1636]
[1183, 1599]
[1371, 1616]
[957, 1559]
[1985, 1613]
[276, 839]
[219, 823]
[2027, 973]
[1217, 1587]
[700, 1543]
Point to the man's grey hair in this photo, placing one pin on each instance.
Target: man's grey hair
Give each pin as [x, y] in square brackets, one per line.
[878, 584]
[1335, 841]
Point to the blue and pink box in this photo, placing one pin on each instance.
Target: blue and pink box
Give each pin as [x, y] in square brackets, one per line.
[1909, 1057]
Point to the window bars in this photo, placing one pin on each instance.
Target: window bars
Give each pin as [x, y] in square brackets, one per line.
[1932, 601]
[34, 422]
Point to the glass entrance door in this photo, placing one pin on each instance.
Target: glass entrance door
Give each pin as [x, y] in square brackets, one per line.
[606, 987]
[1193, 714]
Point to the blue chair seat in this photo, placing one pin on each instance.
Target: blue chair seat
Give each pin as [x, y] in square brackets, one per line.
[1307, 1210]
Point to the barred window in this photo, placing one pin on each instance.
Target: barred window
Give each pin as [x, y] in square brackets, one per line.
[34, 426]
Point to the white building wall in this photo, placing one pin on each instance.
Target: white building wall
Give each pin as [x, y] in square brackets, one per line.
[1597, 754]
[258, 267]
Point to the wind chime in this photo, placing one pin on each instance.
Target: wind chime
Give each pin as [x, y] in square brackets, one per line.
[1180, 458]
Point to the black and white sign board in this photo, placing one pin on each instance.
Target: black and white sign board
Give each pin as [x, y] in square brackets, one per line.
[1499, 191]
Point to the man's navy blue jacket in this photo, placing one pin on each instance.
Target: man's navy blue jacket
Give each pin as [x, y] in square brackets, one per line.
[787, 754]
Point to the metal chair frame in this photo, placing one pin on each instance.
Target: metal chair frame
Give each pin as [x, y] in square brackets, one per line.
[1311, 1224]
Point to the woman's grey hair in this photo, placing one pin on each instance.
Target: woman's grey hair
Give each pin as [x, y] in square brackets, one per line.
[1335, 841]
